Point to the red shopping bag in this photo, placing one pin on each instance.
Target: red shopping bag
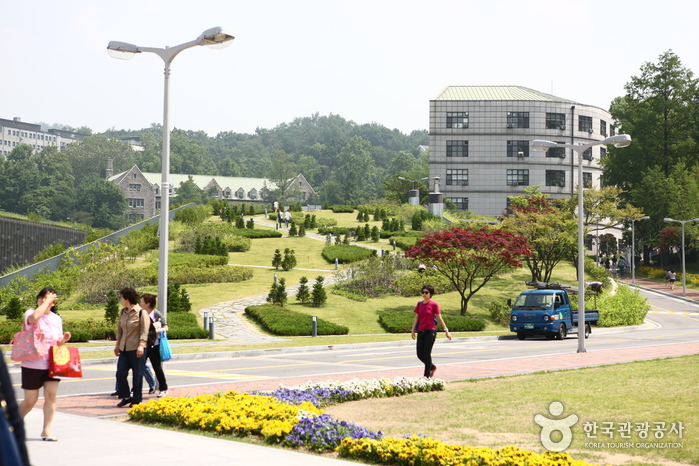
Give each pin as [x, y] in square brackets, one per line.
[64, 361]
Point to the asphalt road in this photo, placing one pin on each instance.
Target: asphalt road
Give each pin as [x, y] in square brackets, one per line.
[671, 321]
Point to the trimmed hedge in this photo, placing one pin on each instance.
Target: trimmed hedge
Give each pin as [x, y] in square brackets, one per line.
[184, 325]
[252, 233]
[177, 259]
[218, 274]
[403, 242]
[283, 322]
[347, 253]
[342, 209]
[402, 322]
[336, 230]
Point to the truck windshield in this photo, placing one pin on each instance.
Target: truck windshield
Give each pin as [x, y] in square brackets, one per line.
[534, 301]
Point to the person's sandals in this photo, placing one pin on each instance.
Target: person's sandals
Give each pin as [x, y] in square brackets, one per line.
[49, 439]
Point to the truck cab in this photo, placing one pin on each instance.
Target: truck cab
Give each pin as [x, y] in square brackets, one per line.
[546, 311]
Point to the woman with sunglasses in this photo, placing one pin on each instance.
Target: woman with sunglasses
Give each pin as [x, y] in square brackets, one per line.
[427, 314]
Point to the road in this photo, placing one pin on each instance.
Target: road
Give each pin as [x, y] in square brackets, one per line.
[671, 322]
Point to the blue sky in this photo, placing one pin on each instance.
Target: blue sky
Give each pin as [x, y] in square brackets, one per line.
[368, 61]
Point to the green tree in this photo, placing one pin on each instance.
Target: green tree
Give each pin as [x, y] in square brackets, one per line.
[13, 309]
[282, 173]
[104, 202]
[88, 157]
[111, 310]
[659, 111]
[277, 259]
[302, 293]
[188, 157]
[289, 261]
[188, 192]
[356, 173]
[318, 294]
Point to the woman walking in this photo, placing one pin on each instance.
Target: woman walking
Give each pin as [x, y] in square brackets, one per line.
[130, 348]
[427, 314]
[35, 373]
[148, 304]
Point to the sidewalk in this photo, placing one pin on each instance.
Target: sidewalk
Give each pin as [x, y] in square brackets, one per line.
[692, 295]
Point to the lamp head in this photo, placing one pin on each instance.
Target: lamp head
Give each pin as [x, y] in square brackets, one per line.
[621, 140]
[669, 220]
[645, 217]
[216, 38]
[541, 145]
[122, 50]
[401, 178]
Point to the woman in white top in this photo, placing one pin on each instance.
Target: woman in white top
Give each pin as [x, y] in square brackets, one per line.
[35, 373]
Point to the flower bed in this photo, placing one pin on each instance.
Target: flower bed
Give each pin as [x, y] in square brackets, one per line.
[292, 416]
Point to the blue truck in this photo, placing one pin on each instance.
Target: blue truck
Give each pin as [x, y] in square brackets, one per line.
[545, 310]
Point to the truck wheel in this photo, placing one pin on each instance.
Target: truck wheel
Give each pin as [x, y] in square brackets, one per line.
[588, 331]
[562, 332]
[521, 335]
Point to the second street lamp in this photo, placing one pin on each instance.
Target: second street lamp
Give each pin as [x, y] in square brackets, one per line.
[216, 38]
[682, 222]
[621, 140]
[413, 197]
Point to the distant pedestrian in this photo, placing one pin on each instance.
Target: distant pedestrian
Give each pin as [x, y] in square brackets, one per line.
[427, 314]
[287, 217]
[671, 279]
[667, 278]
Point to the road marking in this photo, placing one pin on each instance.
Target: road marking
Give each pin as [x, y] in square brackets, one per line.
[217, 375]
[675, 313]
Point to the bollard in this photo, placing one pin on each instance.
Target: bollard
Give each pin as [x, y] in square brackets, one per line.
[266, 216]
[336, 263]
[211, 329]
[382, 252]
[206, 320]
[315, 327]
[394, 245]
[275, 278]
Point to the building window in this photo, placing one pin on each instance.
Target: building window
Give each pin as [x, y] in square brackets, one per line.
[227, 193]
[587, 155]
[457, 177]
[457, 148]
[585, 124]
[457, 119]
[587, 179]
[134, 187]
[240, 193]
[518, 148]
[461, 203]
[602, 152]
[157, 205]
[603, 128]
[612, 130]
[134, 175]
[518, 119]
[135, 217]
[136, 203]
[555, 178]
[252, 194]
[555, 121]
[556, 151]
[517, 177]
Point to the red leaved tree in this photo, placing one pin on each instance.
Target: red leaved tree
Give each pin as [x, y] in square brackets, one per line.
[470, 257]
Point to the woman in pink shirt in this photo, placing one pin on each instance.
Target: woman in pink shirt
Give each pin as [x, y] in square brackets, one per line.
[427, 314]
[35, 373]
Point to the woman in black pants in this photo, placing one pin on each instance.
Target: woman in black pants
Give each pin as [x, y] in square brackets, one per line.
[148, 304]
[427, 313]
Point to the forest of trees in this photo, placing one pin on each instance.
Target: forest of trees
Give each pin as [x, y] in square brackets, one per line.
[344, 161]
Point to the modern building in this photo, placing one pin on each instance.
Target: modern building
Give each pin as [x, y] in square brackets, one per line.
[142, 190]
[15, 132]
[480, 140]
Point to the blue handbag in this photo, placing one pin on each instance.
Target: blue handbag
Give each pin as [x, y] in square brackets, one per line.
[165, 353]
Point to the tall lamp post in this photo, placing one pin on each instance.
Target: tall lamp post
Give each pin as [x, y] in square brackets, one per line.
[216, 38]
[682, 222]
[538, 145]
[633, 247]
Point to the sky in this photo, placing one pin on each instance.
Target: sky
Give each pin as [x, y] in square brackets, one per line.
[369, 61]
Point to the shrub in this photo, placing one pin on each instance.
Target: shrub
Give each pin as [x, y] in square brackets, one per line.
[347, 253]
[49, 251]
[402, 322]
[277, 294]
[13, 310]
[342, 209]
[177, 299]
[500, 312]
[184, 325]
[325, 222]
[194, 215]
[289, 261]
[111, 310]
[303, 294]
[625, 307]
[217, 274]
[410, 284]
[403, 242]
[283, 322]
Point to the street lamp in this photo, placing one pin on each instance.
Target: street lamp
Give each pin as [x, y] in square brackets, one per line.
[633, 247]
[684, 279]
[414, 196]
[216, 38]
[538, 145]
